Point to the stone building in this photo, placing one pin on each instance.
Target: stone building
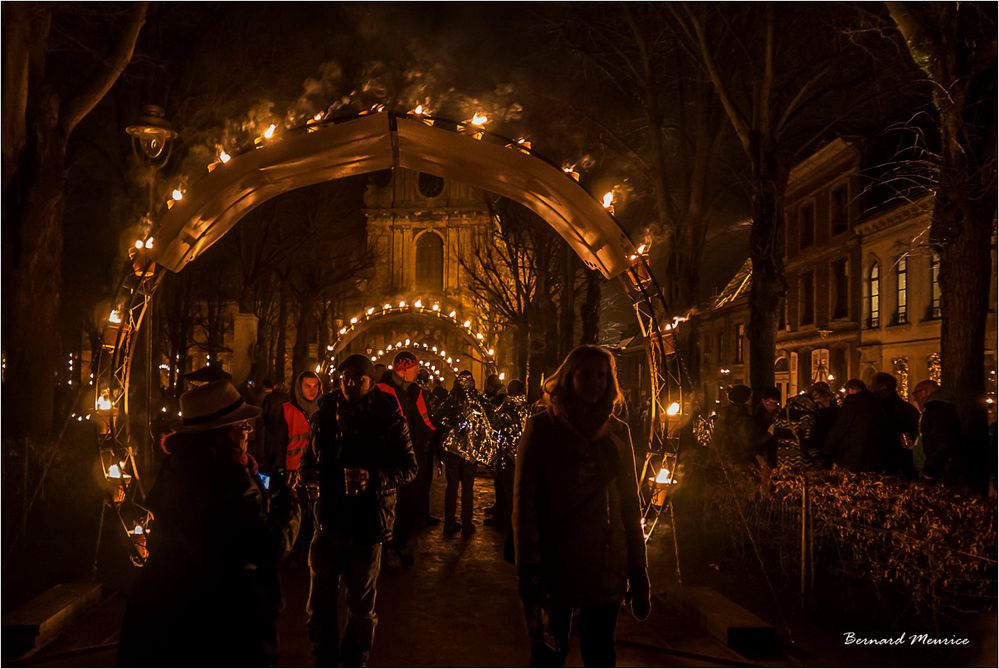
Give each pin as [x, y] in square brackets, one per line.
[863, 288]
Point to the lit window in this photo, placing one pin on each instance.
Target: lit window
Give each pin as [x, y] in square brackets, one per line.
[740, 336]
[934, 310]
[901, 290]
[874, 296]
[430, 262]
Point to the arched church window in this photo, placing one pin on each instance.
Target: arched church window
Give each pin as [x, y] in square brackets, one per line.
[429, 262]
[430, 185]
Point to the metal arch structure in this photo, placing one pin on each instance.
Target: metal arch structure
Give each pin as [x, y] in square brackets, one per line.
[357, 324]
[339, 148]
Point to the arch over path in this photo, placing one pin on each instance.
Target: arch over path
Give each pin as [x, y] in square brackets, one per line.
[377, 142]
[429, 310]
[334, 150]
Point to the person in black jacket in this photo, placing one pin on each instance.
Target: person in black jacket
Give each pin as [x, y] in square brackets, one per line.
[937, 453]
[856, 440]
[902, 427]
[361, 453]
[209, 594]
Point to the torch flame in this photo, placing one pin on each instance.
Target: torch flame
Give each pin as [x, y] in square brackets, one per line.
[419, 110]
[137, 530]
[115, 317]
[177, 194]
[608, 199]
[223, 156]
[149, 243]
[103, 403]
[138, 243]
[114, 472]
[318, 116]
[641, 248]
[269, 133]
[479, 120]
[663, 476]
[674, 409]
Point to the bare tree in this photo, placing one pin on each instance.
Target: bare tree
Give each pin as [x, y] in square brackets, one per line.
[955, 46]
[514, 274]
[41, 112]
[784, 76]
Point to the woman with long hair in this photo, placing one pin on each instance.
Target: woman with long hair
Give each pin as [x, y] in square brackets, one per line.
[577, 520]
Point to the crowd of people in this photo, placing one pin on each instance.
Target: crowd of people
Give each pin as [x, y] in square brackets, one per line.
[864, 430]
[342, 480]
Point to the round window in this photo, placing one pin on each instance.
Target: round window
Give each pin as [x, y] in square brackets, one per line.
[430, 186]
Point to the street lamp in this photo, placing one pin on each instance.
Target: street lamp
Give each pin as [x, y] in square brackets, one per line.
[152, 139]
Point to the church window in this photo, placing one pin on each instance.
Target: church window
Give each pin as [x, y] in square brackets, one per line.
[430, 262]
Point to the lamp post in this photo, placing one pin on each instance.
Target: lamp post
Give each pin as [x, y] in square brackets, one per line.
[152, 141]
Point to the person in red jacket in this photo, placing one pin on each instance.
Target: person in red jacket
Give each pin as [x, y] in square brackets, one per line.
[294, 432]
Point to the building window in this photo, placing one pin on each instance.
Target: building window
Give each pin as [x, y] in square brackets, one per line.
[430, 185]
[807, 316]
[934, 308]
[841, 289]
[820, 365]
[874, 296]
[429, 262]
[720, 341]
[806, 225]
[901, 290]
[740, 336]
[839, 210]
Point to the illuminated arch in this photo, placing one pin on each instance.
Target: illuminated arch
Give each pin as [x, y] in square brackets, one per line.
[429, 310]
[198, 218]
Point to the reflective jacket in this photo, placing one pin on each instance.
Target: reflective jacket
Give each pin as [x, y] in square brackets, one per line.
[298, 435]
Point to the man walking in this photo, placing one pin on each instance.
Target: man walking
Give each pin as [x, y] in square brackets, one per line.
[361, 454]
[414, 499]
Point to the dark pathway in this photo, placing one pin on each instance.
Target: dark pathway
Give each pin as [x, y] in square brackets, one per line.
[456, 607]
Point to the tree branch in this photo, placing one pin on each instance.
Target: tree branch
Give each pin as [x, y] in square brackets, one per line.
[76, 109]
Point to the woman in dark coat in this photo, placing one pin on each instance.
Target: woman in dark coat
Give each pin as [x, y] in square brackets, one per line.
[577, 520]
[209, 593]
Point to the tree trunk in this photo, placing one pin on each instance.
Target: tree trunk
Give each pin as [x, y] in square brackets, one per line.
[31, 346]
[589, 312]
[567, 305]
[303, 331]
[965, 275]
[282, 342]
[523, 345]
[768, 273]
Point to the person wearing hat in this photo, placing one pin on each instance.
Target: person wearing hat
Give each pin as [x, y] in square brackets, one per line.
[361, 454]
[211, 580]
[414, 499]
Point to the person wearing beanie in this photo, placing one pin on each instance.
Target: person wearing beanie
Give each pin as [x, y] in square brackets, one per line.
[293, 434]
[361, 454]
[414, 499]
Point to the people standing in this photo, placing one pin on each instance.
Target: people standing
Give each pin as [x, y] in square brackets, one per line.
[361, 454]
[510, 417]
[468, 442]
[936, 455]
[414, 499]
[209, 593]
[767, 408]
[292, 436]
[494, 394]
[577, 521]
[738, 438]
[269, 450]
[901, 428]
[856, 439]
